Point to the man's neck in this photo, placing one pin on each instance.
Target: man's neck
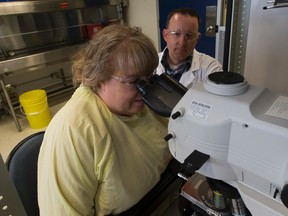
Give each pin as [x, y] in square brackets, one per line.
[173, 65]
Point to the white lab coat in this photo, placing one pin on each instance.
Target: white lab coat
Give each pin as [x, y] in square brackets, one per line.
[202, 65]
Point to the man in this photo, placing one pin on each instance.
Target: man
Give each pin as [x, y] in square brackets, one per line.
[180, 59]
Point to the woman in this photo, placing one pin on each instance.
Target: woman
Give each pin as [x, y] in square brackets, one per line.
[104, 150]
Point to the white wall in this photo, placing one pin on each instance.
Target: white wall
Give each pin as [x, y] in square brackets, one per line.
[144, 14]
[266, 61]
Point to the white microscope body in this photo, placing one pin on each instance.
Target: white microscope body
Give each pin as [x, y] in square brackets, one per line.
[245, 134]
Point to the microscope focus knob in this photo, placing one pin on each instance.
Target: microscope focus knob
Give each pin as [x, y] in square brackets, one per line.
[169, 136]
[284, 195]
[178, 113]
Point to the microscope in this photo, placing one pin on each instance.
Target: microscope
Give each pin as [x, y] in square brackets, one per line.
[231, 139]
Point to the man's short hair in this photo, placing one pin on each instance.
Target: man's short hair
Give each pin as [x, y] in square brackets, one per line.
[184, 11]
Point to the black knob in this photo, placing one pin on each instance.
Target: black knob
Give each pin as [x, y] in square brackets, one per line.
[176, 115]
[284, 195]
[168, 137]
[179, 113]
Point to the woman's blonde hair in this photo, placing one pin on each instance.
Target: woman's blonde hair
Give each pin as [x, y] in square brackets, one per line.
[115, 48]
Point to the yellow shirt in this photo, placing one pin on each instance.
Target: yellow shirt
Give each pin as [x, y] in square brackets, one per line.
[93, 162]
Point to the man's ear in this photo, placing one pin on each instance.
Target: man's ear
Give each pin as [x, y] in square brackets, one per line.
[198, 39]
[165, 34]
